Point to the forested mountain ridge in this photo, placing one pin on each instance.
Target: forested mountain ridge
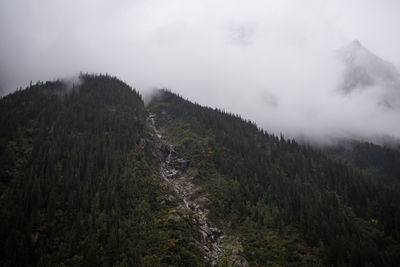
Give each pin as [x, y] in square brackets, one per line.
[80, 185]
[262, 187]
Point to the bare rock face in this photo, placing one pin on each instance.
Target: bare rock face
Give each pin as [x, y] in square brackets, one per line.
[363, 70]
[171, 165]
[167, 152]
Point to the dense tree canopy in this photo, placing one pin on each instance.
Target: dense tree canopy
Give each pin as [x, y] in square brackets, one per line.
[379, 162]
[260, 182]
[79, 180]
[80, 185]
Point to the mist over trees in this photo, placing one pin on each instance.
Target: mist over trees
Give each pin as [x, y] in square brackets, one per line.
[277, 57]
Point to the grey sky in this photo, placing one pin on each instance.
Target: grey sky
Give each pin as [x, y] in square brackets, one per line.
[270, 61]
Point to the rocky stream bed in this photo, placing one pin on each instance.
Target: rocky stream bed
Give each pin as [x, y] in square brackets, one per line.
[173, 171]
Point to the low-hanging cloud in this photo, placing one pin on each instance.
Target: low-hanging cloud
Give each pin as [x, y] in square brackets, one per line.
[270, 61]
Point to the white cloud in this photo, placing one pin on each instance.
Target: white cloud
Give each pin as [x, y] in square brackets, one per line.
[267, 60]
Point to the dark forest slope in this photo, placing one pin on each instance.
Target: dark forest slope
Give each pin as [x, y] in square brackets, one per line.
[382, 163]
[288, 204]
[80, 183]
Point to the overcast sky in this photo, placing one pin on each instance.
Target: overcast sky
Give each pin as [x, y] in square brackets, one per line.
[270, 61]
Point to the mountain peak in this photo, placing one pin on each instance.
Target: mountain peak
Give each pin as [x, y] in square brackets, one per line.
[364, 69]
[356, 44]
[349, 51]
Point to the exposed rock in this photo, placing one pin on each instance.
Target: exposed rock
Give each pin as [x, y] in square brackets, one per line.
[171, 198]
[364, 70]
[202, 200]
[153, 125]
[173, 170]
[238, 261]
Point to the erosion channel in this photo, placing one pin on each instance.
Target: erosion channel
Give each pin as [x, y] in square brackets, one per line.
[173, 171]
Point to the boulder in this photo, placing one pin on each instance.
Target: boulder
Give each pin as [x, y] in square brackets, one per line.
[238, 261]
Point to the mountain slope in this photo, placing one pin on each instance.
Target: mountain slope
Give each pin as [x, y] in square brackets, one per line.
[364, 70]
[80, 182]
[86, 181]
[285, 203]
[382, 163]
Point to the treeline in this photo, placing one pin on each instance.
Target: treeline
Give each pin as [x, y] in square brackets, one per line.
[267, 182]
[80, 181]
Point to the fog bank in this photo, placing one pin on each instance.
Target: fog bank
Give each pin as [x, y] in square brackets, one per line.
[272, 62]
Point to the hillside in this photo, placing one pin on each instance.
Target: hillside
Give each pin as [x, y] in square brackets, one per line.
[90, 176]
[286, 204]
[379, 162]
[80, 183]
